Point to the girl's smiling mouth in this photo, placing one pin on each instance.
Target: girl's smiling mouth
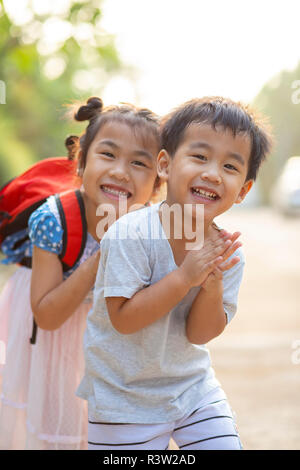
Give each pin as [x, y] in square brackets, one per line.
[115, 192]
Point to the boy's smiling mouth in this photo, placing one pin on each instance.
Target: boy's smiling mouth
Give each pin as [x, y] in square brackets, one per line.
[115, 192]
[205, 194]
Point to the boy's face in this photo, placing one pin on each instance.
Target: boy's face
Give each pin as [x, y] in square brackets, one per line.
[209, 167]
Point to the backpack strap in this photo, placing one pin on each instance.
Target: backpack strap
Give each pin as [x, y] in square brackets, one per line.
[72, 214]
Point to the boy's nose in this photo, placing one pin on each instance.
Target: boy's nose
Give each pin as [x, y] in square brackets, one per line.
[211, 174]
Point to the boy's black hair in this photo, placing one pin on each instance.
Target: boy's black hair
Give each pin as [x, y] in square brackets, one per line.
[218, 111]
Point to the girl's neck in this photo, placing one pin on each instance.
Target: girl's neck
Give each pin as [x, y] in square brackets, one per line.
[90, 214]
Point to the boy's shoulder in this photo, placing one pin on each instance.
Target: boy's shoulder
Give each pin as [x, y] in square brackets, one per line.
[134, 222]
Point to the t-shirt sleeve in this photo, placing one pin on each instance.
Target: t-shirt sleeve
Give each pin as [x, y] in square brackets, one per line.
[231, 282]
[124, 265]
[45, 231]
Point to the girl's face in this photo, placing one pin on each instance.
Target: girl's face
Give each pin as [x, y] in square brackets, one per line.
[120, 167]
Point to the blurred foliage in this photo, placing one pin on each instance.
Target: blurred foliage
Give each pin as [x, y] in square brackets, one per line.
[42, 69]
[279, 100]
[51, 59]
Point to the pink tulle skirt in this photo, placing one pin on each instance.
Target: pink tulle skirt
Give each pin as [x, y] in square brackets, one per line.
[38, 406]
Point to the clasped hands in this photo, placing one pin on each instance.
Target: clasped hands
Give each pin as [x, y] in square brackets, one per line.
[205, 266]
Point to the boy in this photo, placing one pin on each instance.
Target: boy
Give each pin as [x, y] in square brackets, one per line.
[148, 373]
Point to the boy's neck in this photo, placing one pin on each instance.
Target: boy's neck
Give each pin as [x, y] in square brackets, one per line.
[180, 243]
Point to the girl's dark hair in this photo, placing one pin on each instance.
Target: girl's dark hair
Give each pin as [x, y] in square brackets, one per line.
[140, 119]
[223, 112]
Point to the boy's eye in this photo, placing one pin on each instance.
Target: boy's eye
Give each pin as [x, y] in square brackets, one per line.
[139, 163]
[231, 167]
[199, 156]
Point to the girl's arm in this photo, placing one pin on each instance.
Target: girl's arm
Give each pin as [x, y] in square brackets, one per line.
[53, 299]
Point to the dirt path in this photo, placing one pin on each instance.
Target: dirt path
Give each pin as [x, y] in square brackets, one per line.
[257, 358]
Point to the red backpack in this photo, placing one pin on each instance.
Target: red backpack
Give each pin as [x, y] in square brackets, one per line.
[25, 193]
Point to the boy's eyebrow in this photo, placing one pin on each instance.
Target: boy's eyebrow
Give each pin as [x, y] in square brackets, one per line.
[234, 155]
[137, 152]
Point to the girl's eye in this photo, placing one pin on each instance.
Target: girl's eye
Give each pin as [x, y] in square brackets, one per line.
[231, 167]
[108, 154]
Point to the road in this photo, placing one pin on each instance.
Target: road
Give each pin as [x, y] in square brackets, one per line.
[257, 358]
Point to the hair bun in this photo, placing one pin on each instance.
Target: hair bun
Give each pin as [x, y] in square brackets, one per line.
[89, 111]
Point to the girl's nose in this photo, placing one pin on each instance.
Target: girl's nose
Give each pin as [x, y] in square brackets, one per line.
[120, 172]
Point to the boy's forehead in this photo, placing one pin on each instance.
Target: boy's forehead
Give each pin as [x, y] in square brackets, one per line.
[199, 135]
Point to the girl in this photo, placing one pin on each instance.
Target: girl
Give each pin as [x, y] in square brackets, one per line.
[117, 163]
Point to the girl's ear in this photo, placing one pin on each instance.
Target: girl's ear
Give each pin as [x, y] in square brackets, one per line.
[80, 167]
[163, 165]
[245, 190]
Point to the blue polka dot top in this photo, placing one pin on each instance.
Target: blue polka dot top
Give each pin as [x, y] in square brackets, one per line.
[45, 231]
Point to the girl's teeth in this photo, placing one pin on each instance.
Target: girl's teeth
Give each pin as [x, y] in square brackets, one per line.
[115, 191]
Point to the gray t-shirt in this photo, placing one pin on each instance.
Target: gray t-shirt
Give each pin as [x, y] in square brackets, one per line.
[154, 375]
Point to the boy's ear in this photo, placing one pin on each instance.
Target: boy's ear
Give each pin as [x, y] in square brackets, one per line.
[163, 164]
[245, 190]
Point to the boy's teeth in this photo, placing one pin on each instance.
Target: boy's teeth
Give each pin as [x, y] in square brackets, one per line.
[115, 191]
[205, 193]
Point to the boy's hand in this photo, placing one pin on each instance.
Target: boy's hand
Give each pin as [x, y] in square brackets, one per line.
[211, 282]
[198, 264]
[214, 280]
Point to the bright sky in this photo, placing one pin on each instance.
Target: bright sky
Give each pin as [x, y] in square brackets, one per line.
[179, 48]
[184, 49]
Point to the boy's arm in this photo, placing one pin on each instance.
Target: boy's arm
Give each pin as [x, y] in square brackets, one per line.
[207, 317]
[149, 304]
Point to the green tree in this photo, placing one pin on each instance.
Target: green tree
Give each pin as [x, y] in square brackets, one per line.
[279, 99]
[50, 59]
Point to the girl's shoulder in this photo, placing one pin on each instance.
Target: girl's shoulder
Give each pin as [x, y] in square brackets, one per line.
[45, 228]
